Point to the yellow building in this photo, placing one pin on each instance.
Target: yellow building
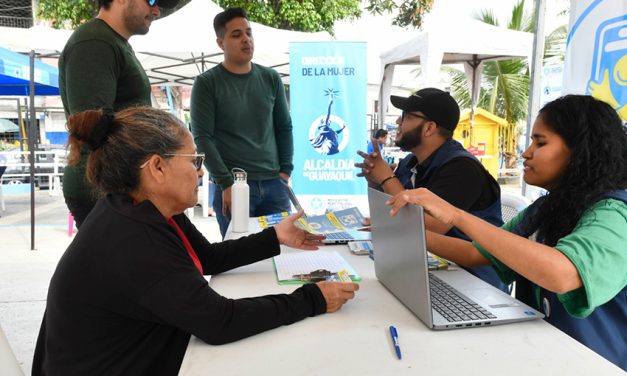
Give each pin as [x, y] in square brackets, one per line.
[485, 137]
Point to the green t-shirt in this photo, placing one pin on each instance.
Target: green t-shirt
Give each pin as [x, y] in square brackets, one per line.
[598, 249]
[97, 69]
[242, 120]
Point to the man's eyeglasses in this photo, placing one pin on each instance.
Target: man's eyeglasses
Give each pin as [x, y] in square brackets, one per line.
[152, 3]
[199, 158]
[405, 114]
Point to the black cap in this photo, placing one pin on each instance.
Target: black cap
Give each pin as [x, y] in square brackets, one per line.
[436, 104]
[167, 4]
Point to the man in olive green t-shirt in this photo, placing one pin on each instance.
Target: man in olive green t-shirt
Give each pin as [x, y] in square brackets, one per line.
[98, 70]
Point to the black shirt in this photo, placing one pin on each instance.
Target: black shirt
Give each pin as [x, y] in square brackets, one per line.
[126, 296]
[461, 182]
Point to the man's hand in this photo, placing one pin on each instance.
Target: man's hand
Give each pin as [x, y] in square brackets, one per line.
[226, 201]
[373, 168]
[284, 176]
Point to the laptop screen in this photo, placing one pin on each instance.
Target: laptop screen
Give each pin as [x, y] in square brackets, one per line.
[400, 258]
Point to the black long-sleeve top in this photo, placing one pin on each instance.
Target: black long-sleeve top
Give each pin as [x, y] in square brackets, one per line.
[126, 296]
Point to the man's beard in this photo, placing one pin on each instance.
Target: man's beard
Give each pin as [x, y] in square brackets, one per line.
[410, 140]
[134, 22]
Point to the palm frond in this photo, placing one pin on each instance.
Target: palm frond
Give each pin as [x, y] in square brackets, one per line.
[487, 16]
[555, 43]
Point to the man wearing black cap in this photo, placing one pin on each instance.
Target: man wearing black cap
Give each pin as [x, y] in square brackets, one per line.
[437, 162]
[98, 70]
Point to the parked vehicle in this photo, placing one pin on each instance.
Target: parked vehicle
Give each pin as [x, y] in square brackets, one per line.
[48, 165]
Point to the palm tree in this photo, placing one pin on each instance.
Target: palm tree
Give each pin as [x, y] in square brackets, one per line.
[505, 83]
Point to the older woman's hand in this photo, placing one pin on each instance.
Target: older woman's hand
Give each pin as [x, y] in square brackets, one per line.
[373, 168]
[432, 204]
[292, 236]
[336, 294]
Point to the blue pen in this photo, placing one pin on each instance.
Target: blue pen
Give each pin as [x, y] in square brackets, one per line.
[395, 340]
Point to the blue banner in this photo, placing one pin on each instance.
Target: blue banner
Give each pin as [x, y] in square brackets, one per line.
[328, 109]
[596, 52]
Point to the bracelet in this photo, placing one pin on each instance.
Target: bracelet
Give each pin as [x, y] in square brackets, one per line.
[388, 178]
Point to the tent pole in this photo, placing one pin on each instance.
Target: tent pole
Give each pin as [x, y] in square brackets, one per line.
[31, 148]
[473, 96]
[535, 70]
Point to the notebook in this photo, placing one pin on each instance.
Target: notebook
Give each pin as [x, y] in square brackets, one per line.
[304, 267]
[337, 237]
[442, 299]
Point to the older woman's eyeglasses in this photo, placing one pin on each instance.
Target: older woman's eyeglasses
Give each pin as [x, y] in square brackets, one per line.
[199, 158]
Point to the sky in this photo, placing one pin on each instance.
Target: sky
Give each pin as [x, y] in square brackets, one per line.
[501, 8]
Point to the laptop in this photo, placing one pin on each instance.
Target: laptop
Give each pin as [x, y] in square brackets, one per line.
[341, 237]
[442, 299]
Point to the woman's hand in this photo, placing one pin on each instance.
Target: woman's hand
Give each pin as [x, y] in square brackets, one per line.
[336, 294]
[432, 204]
[295, 237]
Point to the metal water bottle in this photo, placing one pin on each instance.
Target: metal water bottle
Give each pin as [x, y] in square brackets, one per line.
[239, 201]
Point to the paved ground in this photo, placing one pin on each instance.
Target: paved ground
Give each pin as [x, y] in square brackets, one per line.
[25, 273]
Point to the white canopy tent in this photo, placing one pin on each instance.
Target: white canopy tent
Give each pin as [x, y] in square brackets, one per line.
[178, 47]
[466, 41]
[183, 45]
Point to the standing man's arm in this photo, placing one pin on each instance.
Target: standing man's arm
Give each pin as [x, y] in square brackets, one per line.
[203, 114]
[91, 76]
[283, 131]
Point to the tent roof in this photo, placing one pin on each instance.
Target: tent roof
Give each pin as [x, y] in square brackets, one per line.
[469, 38]
[15, 75]
[450, 41]
[183, 45]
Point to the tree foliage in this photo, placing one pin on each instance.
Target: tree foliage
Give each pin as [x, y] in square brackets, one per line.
[69, 13]
[299, 15]
[409, 13]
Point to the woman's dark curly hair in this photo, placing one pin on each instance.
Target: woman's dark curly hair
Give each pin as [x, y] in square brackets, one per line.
[597, 140]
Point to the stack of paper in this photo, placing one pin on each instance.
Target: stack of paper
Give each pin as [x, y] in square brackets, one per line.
[291, 267]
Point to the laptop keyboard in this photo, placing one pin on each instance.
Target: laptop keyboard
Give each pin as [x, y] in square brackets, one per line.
[454, 307]
[338, 236]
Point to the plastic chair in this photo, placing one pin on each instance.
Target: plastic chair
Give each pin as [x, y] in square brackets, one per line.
[70, 224]
[512, 204]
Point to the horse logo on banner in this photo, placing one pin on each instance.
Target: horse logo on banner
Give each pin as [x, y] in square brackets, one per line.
[328, 134]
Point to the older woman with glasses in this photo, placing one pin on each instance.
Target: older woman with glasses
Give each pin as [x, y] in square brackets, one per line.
[129, 290]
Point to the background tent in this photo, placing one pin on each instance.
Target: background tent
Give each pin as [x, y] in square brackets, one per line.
[183, 45]
[15, 75]
[466, 41]
[18, 74]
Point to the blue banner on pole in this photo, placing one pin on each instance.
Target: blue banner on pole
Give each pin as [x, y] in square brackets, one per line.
[328, 109]
[596, 52]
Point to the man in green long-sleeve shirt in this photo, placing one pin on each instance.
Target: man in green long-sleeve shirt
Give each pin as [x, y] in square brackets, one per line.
[240, 119]
[98, 70]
